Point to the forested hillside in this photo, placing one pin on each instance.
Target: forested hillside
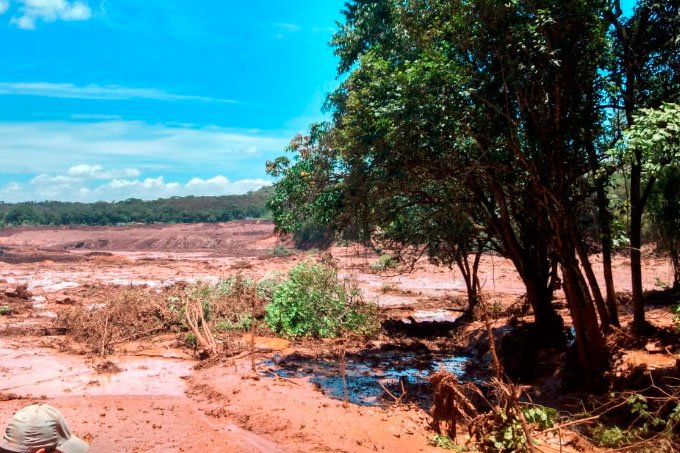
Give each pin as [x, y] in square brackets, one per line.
[167, 210]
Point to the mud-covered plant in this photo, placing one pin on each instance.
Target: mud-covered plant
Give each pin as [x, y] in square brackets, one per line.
[445, 442]
[384, 262]
[117, 315]
[279, 251]
[230, 304]
[314, 302]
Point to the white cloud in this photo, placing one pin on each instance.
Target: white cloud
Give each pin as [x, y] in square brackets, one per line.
[112, 160]
[33, 11]
[96, 92]
[4, 5]
[67, 187]
[24, 22]
[97, 172]
[292, 28]
[42, 147]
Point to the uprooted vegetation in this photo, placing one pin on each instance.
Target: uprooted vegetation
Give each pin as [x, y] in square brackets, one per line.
[196, 313]
[113, 316]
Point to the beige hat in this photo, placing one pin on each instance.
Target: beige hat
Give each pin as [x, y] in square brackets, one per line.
[40, 426]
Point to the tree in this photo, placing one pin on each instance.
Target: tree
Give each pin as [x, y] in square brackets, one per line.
[510, 88]
[645, 72]
[307, 198]
[653, 143]
[665, 217]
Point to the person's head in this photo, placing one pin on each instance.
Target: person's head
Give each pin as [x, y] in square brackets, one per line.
[40, 428]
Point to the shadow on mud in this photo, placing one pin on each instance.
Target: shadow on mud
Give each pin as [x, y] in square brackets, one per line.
[371, 374]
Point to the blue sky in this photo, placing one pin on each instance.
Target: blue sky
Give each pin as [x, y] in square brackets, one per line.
[111, 99]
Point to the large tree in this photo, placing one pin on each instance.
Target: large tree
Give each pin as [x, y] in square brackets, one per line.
[499, 96]
[645, 72]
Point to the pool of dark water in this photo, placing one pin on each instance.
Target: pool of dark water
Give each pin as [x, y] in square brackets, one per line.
[367, 373]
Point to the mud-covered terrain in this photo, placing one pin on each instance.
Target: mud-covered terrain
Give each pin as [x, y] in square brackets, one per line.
[153, 394]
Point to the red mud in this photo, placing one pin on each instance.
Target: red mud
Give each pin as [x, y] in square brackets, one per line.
[158, 402]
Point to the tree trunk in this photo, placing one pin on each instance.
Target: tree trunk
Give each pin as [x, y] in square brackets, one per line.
[471, 282]
[605, 321]
[548, 322]
[604, 216]
[589, 340]
[675, 259]
[639, 322]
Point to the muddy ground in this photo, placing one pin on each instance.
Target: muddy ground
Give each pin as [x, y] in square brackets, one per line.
[161, 400]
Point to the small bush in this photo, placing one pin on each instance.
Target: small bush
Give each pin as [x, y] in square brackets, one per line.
[384, 262]
[5, 310]
[279, 251]
[313, 302]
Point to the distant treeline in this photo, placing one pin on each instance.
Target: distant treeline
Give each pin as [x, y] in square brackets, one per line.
[168, 210]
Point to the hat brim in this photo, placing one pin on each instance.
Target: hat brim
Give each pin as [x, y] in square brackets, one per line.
[10, 447]
[73, 445]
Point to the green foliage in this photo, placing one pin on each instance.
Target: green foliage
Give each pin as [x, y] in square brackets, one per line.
[676, 317]
[384, 262]
[654, 139]
[190, 340]
[313, 302]
[5, 310]
[610, 437]
[307, 198]
[509, 436]
[466, 125]
[664, 218]
[647, 423]
[445, 442]
[170, 210]
[279, 251]
[227, 305]
[542, 416]
[660, 283]
[244, 322]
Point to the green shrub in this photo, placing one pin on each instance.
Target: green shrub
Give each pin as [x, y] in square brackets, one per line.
[244, 322]
[313, 302]
[384, 262]
[191, 340]
[5, 310]
[279, 251]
